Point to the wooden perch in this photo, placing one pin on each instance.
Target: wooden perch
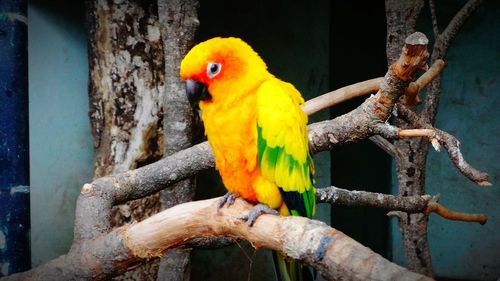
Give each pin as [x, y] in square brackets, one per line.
[333, 253]
[330, 251]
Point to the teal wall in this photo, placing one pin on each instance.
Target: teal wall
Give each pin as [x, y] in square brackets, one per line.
[61, 147]
[469, 110]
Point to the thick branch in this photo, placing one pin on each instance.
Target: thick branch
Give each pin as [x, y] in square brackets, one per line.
[330, 251]
[95, 200]
[357, 124]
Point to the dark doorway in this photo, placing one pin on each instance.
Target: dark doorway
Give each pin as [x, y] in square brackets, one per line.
[357, 53]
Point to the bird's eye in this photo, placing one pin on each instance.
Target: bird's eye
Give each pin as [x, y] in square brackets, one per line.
[213, 69]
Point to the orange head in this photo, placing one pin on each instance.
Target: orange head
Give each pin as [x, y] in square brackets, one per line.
[220, 67]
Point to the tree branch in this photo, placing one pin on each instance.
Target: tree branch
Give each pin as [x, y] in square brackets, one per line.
[451, 31]
[435, 26]
[385, 145]
[355, 198]
[450, 143]
[451, 215]
[397, 204]
[443, 42]
[332, 98]
[411, 95]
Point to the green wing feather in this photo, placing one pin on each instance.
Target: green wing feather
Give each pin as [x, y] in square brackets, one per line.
[283, 149]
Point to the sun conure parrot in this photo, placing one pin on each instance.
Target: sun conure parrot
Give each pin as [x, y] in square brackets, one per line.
[257, 131]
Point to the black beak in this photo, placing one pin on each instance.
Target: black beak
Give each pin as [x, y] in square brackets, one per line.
[197, 91]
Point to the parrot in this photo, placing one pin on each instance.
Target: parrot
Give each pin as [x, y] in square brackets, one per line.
[257, 130]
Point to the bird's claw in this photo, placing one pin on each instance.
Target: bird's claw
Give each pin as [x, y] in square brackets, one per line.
[256, 212]
[227, 199]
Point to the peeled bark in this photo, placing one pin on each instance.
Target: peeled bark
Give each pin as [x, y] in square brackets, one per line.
[126, 81]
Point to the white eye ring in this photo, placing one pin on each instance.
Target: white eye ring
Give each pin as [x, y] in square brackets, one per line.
[213, 69]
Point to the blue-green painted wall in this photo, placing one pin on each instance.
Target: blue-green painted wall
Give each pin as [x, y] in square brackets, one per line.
[61, 147]
[470, 110]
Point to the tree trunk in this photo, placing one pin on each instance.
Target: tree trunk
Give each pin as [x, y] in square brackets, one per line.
[126, 81]
[412, 153]
[178, 24]
[410, 162]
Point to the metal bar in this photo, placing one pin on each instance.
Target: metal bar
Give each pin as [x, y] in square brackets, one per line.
[14, 157]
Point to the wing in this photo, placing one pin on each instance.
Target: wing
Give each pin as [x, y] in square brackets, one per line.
[283, 145]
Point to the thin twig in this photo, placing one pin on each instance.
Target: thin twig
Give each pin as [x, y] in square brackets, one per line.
[443, 42]
[412, 133]
[434, 207]
[450, 32]
[435, 26]
[450, 143]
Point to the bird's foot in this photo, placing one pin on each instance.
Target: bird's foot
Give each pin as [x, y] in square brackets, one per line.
[257, 211]
[227, 199]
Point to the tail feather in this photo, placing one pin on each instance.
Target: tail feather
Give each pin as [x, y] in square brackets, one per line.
[290, 269]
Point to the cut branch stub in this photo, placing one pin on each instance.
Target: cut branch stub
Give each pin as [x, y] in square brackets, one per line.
[413, 57]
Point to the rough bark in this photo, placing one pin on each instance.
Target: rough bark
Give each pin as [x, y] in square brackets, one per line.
[410, 166]
[401, 19]
[126, 80]
[412, 156]
[178, 24]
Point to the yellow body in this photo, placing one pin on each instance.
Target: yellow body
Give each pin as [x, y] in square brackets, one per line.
[255, 126]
